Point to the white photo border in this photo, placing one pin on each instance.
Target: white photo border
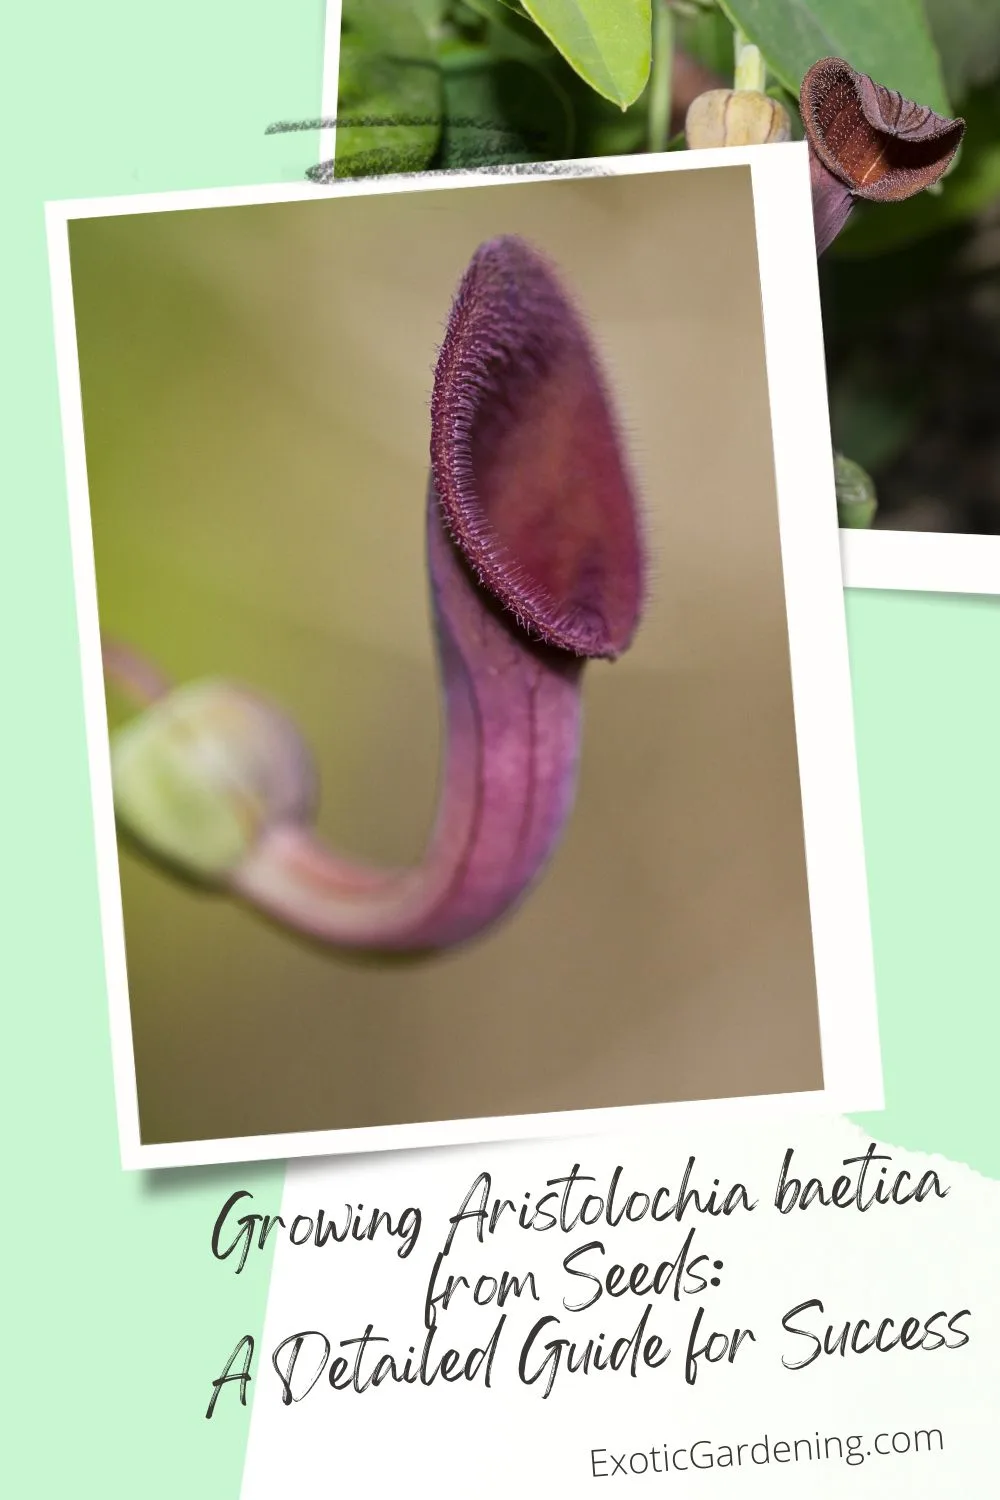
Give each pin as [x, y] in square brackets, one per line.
[925, 562]
[330, 89]
[821, 686]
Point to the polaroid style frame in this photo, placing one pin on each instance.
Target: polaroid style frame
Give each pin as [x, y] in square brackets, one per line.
[821, 687]
[923, 562]
[928, 562]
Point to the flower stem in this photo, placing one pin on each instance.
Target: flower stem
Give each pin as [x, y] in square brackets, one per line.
[661, 77]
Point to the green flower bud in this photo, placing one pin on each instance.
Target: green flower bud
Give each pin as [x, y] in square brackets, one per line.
[203, 772]
[857, 501]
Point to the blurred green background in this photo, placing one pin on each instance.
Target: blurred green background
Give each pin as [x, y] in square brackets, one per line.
[911, 292]
[255, 386]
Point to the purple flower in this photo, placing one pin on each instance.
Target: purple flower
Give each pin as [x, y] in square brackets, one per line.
[526, 461]
[536, 563]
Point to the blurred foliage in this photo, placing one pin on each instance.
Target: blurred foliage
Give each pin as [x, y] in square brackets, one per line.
[478, 83]
[967, 36]
[389, 88]
[429, 84]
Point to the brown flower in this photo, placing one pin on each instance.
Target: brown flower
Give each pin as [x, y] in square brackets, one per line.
[866, 141]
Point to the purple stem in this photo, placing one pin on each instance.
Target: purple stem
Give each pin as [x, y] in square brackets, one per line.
[832, 203]
[513, 721]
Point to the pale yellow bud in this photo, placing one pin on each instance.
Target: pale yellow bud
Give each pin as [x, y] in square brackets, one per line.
[735, 117]
[204, 771]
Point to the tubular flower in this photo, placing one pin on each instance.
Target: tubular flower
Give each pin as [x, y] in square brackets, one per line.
[535, 562]
[866, 141]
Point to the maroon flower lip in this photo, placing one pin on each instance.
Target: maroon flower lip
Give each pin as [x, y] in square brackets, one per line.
[535, 562]
[867, 141]
[526, 461]
[883, 146]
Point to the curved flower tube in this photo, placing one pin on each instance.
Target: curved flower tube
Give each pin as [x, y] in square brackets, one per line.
[536, 563]
[867, 141]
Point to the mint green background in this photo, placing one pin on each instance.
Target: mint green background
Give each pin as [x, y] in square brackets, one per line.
[115, 1315]
[927, 716]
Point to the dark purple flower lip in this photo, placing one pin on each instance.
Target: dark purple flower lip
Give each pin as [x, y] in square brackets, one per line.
[535, 562]
[526, 461]
[880, 145]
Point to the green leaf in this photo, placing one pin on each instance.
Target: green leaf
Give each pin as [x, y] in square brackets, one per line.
[887, 39]
[790, 105]
[868, 417]
[600, 127]
[430, 13]
[608, 42]
[967, 33]
[389, 88]
[493, 10]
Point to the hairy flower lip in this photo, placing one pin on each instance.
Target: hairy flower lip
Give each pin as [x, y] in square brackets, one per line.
[526, 462]
[882, 146]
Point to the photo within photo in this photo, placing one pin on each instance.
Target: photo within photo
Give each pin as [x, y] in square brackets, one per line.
[445, 645]
[902, 129]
